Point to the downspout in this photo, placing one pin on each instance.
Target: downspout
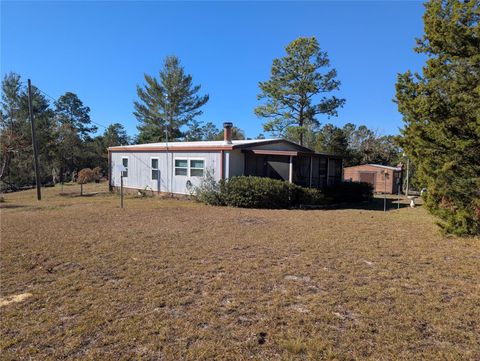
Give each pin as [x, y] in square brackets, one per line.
[110, 187]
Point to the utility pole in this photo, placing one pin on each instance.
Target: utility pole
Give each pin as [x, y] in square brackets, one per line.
[34, 141]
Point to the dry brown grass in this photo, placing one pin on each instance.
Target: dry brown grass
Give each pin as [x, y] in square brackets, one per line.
[174, 280]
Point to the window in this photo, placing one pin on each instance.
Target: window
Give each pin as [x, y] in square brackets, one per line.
[181, 167]
[155, 171]
[125, 164]
[190, 167]
[196, 168]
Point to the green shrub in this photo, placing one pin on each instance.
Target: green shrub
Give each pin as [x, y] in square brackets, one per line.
[255, 192]
[209, 191]
[349, 192]
[259, 192]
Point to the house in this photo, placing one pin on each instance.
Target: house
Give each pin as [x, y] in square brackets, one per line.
[384, 179]
[177, 167]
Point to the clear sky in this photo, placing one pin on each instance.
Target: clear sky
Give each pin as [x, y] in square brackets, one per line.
[100, 50]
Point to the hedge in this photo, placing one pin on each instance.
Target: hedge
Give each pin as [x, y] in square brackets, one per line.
[259, 192]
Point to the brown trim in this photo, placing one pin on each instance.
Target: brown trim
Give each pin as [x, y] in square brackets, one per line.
[272, 152]
[290, 153]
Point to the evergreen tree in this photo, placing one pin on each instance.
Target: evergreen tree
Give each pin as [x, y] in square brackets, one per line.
[194, 132]
[12, 123]
[291, 94]
[114, 135]
[209, 131]
[167, 103]
[73, 135]
[69, 109]
[237, 134]
[332, 140]
[441, 110]
[15, 134]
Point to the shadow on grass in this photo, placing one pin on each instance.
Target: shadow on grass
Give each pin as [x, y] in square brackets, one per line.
[12, 206]
[375, 204]
[76, 194]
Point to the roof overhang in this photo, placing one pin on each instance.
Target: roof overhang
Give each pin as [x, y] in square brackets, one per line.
[292, 153]
[169, 149]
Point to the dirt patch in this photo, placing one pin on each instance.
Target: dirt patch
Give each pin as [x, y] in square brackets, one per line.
[5, 301]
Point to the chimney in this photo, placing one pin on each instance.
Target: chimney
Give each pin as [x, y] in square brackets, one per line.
[227, 132]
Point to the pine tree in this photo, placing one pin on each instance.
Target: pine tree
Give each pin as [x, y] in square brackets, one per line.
[441, 110]
[15, 134]
[296, 80]
[167, 103]
[332, 140]
[69, 109]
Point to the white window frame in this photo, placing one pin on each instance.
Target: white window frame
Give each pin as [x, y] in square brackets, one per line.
[127, 167]
[190, 168]
[175, 167]
[157, 169]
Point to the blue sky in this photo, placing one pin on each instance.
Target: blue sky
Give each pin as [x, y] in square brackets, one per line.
[100, 50]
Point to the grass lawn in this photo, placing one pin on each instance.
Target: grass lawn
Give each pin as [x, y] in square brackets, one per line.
[167, 279]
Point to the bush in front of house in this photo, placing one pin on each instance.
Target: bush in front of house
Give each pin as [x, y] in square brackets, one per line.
[255, 192]
[209, 191]
[260, 192]
[349, 192]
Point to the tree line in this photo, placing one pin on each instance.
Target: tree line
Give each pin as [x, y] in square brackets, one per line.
[65, 136]
[168, 108]
[440, 108]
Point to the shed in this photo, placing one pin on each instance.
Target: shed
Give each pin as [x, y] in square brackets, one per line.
[177, 167]
[375, 175]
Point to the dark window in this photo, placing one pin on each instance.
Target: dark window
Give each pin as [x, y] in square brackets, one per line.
[125, 164]
[155, 171]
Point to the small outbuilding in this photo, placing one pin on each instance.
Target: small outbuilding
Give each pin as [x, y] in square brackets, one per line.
[177, 167]
[385, 179]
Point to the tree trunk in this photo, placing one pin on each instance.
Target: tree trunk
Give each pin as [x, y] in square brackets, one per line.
[300, 123]
[81, 189]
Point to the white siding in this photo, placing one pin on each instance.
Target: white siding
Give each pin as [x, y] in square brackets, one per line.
[139, 170]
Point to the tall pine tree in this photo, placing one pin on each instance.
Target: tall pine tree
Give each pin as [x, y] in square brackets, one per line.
[298, 90]
[441, 109]
[167, 103]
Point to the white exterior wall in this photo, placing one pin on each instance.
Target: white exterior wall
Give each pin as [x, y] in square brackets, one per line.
[140, 171]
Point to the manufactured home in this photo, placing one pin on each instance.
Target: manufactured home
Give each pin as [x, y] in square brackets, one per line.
[178, 167]
[384, 179]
